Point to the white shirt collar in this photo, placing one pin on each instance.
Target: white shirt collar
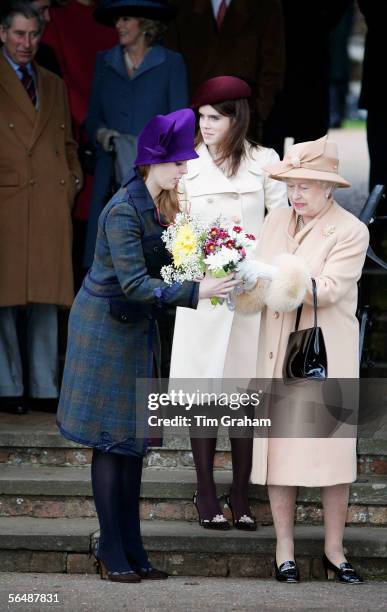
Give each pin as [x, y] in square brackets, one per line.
[216, 5]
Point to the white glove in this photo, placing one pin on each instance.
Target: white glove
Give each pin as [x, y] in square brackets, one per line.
[104, 137]
[249, 270]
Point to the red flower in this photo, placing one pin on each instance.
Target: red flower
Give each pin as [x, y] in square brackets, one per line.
[214, 231]
[250, 236]
[230, 244]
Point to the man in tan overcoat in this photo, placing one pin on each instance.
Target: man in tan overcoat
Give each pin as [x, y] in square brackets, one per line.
[39, 176]
[242, 38]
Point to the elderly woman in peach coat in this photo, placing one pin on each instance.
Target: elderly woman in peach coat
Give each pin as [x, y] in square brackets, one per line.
[314, 238]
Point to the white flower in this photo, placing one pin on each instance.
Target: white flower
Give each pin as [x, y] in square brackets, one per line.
[295, 161]
[222, 258]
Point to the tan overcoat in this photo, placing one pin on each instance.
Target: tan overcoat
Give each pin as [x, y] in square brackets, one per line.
[333, 246]
[213, 342]
[38, 165]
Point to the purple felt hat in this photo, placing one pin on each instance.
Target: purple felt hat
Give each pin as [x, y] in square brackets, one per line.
[167, 138]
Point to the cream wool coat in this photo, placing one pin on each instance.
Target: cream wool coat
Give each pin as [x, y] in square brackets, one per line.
[333, 246]
[213, 342]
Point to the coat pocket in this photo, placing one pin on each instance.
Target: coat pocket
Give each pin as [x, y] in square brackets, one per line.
[9, 178]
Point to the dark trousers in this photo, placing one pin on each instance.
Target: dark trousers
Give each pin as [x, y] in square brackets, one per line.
[377, 138]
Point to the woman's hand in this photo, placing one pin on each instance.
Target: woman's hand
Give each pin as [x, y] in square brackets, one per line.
[217, 287]
[249, 270]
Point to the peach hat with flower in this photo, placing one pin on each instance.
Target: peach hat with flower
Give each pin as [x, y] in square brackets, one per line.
[314, 160]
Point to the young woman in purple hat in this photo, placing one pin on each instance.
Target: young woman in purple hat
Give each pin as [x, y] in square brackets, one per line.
[226, 179]
[113, 338]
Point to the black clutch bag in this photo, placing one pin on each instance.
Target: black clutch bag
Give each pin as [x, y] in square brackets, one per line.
[306, 356]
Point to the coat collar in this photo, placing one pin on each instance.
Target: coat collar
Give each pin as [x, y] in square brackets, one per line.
[204, 177]
[15, 89]
[115, 59]
[318, 220]
[140, 196]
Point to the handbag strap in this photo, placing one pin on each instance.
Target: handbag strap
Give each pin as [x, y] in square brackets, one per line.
[299, 309]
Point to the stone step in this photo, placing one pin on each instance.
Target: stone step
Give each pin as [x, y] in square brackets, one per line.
[61, 545]
[34, 439]
[166, 494]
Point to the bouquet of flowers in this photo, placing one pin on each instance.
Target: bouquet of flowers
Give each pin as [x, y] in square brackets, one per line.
[195, 247]
[224, 249]
[184, 239]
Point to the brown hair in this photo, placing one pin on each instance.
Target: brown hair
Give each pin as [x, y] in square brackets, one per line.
[233, 148]
[153, 30]
[167, 202]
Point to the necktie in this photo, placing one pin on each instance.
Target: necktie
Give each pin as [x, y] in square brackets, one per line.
[29, 84]
[221, 13]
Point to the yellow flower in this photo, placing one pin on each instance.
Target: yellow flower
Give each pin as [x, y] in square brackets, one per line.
[185, 244]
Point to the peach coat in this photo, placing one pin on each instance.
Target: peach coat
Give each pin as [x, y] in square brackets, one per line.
[213, 342]
[333, 246]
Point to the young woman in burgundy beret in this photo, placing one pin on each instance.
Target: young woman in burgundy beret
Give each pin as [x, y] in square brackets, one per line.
[226, 179]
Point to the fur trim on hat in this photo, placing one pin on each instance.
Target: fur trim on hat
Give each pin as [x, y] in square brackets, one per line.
[288, 287]
[252, 301]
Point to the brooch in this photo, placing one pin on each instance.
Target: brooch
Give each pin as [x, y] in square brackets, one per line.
[328, 230]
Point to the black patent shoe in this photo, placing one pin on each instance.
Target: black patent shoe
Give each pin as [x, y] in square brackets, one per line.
[218, 522]
[150, 573]
[344, 573]
[287, 571]
[245, 522]
[14, 405]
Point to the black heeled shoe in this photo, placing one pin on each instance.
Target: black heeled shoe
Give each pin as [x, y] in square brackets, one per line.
[105, 574]
[287, 572]
[151, 573]
[218, 522]
[344, 573]
[245, 522]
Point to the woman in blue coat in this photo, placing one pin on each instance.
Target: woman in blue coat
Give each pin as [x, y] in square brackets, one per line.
[113, 338]
[133, 82]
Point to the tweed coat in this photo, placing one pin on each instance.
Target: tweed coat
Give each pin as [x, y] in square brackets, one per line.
[38, 166]
[242, 199]
[126, 104]
[113, 337]
[250, 45]
[333, 246]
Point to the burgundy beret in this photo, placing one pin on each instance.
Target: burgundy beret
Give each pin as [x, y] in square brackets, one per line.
[220, 89]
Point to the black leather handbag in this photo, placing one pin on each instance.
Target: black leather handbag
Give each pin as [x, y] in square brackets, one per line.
[306, 356]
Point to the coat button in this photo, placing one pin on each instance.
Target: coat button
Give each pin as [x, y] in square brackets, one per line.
[235, 196]
[11, 125]
[276, 315]
[29, 152]
[62, 126]
[155, 249]
[271, 355]
[62, 182]
[32, 181]
[124, 317]
[210, 200]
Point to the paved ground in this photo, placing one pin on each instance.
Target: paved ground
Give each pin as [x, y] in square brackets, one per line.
[353, 165]
[88, 593]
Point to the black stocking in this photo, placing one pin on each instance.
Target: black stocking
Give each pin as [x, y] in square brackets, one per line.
[203, 450]
[130, 512]
[106, 478]
[241, 452]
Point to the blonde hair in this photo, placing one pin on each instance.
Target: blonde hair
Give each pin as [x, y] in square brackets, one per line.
[167, 202]
[153, 30]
